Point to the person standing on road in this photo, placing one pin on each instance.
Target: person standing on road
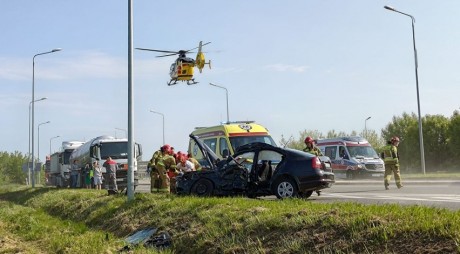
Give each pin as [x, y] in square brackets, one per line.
[74, 174]
[111, 168]
[97, 176]
[391, 159]
[311, 148]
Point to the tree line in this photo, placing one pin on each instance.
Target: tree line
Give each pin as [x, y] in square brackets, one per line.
[441, 140]
[11, 168]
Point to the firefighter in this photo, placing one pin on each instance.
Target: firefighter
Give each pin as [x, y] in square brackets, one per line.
[391, 159]
[195, 162]
[311, 148]
[160, 165]
[151, 167]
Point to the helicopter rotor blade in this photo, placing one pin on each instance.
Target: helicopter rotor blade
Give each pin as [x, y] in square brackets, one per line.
[188, 51]
[168, 55]
[161, 51]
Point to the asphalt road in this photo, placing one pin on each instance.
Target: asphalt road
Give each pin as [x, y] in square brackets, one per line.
[433, 193]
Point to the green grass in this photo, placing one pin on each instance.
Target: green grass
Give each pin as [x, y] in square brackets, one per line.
[48, 220]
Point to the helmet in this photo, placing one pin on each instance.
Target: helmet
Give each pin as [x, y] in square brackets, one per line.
[394, 139]
[308, 140]
[166, 149]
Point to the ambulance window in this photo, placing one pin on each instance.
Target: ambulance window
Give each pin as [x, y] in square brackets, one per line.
[223, 147]
[211, 143]
[331, 152]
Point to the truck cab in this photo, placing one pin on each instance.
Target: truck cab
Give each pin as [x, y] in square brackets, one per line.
[102, 147]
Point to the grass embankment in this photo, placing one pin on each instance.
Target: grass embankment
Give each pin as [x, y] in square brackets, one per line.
[48, 220]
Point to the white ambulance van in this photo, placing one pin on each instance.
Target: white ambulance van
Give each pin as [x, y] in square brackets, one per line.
[352, 156]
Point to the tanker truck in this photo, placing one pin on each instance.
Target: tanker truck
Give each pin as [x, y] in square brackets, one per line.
[58, 172]
[102, 147]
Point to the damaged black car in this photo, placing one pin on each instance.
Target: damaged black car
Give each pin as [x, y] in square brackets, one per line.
[256, 169]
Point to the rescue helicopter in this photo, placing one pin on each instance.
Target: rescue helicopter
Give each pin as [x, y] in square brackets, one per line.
[182, 68]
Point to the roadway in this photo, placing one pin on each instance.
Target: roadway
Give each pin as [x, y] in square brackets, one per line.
[432, 193]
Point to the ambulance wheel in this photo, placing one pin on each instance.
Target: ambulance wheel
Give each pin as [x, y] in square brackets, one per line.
[350, 175]
[203, 187]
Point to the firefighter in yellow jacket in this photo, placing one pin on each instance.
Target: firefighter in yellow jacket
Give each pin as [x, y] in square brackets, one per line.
[161, 162]
[311, 148]
[391, 159]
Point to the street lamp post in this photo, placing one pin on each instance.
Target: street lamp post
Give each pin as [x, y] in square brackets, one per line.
[28, 155]
[50, 142]
[33, 106]
[38, 140]
[420, 132]
[38, 150]
[365, 126]
[126, 131]
[163, 116]
[226, 95]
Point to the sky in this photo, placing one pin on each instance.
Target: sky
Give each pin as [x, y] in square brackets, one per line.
[288, 65]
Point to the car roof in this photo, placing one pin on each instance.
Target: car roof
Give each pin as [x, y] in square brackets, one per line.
[256, 145]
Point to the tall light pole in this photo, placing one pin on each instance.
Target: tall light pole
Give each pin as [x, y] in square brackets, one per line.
[131, 143]
[33, 106]
[420, 132]
[50, 142]
[38, 152]
[163, 124]
[226, 94]
[126, 131]
[28, 155]
[38, 140]
[365, 126]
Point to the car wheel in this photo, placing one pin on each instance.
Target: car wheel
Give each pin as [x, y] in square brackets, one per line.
[285, 188]
[203, 187]
[306, 194]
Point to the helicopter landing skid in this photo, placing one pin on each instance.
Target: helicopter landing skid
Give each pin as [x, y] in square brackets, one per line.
[192, 83]
[172, 82]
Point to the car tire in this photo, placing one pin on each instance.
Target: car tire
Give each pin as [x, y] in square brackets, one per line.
[306, 194]
[285, 188]
[203, 187]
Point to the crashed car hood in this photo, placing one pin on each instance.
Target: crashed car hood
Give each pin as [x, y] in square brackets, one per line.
[208, 154]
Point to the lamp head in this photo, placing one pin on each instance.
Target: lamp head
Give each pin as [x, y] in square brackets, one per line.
[389, 8]
[56, 49]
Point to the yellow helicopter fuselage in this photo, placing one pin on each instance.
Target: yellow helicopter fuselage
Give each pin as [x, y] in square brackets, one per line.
[182, 69]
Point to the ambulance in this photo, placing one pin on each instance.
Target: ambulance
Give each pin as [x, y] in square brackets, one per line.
[352, 156]
[225, 138]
